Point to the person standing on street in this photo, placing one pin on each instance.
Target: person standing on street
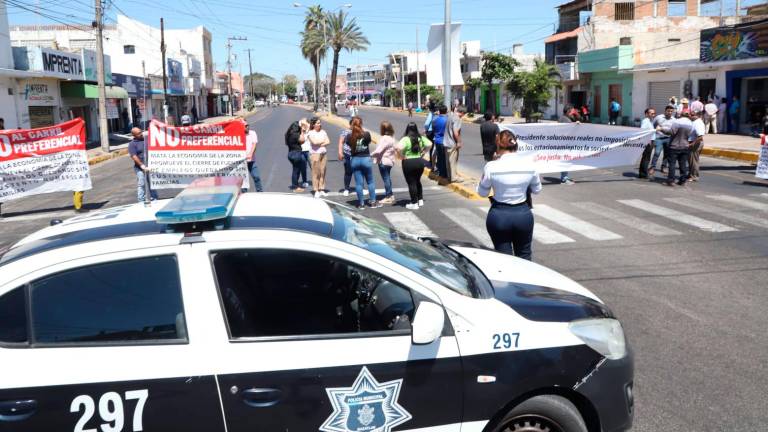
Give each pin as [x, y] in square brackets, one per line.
[345, 155]
[564, 178]
[306, 126]
[489, 130]
[647, 124]
[2, 123]
[696, 139]
[294, 138]
[412, 148]
[697, 105]
[722, 111]
[452, 142]
[193, 111]
[439, 126]
[679, 147]
[733, 115]
[614, 110]
[319, 141]
[359, 142]
[138, 152]
[410, 109]
[662, 141]
[251, 141]
[710, 115]
[510, 220]
[384, 157]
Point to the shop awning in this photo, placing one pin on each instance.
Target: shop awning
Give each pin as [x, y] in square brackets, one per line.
[91, 91]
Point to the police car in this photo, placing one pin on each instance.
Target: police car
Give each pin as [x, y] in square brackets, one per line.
[273, 312]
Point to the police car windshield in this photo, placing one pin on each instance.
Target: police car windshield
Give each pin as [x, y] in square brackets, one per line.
[443, 266]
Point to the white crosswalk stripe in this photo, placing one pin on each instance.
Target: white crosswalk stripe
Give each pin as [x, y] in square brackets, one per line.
[677, 216]
[471, 222]
[543, 234]
[741, 201]
[409, 223]
[637, 223]
[574, 224]
[722, 211]
[380, 192]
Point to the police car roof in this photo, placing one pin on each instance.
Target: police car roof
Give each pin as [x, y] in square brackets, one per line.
[252, 211]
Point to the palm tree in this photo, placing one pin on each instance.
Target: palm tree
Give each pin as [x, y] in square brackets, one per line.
[342, 34]
[313, 45]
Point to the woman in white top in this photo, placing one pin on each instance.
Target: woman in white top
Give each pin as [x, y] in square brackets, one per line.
[510, 220]
[318, 141]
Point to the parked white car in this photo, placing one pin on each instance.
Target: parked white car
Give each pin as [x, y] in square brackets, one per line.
[373, 102]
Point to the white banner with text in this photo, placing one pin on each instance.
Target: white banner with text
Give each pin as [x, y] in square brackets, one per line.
[762, 163]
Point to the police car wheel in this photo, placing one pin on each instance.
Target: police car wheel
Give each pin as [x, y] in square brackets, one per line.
[546, 413]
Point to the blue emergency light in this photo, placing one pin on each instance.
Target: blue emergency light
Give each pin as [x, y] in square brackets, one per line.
[205, 199]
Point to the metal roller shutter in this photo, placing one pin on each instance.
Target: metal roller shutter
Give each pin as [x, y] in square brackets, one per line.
[660, 92]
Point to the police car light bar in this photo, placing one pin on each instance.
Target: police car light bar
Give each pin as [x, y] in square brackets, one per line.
[205, 199]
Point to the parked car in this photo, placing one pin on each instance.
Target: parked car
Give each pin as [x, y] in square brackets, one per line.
[260, 103]
[372, 102]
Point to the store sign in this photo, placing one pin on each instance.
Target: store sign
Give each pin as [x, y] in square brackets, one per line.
[734, 43]
[175, 77]
[137, 87]
[89, 66]
[55, 63]
[39, 93]
[112, 109]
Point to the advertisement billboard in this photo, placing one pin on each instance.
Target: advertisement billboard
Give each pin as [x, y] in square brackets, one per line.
[734, 43]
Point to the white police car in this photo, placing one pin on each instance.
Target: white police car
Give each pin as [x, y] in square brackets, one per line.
[286, 313]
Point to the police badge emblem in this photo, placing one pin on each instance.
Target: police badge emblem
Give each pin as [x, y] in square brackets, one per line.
[366, 406]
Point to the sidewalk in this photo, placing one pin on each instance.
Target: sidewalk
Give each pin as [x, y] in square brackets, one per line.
[739, 147]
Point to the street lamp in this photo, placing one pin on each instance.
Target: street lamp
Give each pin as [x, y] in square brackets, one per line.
[325, 46]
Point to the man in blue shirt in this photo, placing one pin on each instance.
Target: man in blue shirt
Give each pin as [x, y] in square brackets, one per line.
[733, 114]
[613, 111]
[137, 150]
[438, 128]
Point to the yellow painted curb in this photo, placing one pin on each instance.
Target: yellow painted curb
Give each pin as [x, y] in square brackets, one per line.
[744, 156]
[105, 157]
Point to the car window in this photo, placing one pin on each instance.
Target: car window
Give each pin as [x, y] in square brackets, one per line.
[13, 316]
[129, 301]
[292, 293]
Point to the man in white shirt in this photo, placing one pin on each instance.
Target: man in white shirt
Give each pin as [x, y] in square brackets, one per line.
[696, 138]
[452, 142]
[251, 141]
[647, 124]
[710, 117]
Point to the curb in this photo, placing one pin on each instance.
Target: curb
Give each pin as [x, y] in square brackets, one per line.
[744, 156]
[455, 187]
[105, 157]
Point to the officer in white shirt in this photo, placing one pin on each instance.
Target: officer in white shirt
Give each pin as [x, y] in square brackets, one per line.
[510, 220]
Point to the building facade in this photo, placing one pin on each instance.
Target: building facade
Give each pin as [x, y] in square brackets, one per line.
[366, 81]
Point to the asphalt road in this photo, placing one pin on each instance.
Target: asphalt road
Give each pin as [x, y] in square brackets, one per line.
[685, 269]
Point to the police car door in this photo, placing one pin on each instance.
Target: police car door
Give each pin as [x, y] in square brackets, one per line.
[102, 344]
[319, 339]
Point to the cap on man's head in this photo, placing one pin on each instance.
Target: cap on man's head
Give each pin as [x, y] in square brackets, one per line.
[186, 120]
[684, 100]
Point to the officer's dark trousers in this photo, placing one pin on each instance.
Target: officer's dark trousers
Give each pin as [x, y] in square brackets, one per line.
[511, 228]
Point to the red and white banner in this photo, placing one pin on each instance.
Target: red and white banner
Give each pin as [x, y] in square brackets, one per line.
[42, 160]
[178, 155]
[762, 162]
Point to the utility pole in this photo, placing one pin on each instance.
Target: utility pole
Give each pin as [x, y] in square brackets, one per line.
[229, 70]
[165, 77]
[447, 54]
[418, 72]
[402, 79]
[103, 131]
[250, 72]
[144, 93]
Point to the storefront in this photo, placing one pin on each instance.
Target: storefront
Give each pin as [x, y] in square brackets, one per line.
[81, 100]
[38, 102]
[137, 106]
[610, 78]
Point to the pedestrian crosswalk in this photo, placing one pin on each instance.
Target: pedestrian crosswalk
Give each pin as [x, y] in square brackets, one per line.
[621, 219]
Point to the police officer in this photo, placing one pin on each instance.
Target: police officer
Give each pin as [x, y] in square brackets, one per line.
[510, 220]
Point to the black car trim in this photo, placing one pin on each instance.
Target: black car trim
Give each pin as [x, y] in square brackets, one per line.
[540, 303]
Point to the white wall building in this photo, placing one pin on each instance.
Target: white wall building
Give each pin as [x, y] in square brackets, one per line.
[7, 74]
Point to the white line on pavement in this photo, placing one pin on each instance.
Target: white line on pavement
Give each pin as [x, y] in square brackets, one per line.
[577, 225]
[639, 224]
[677, 216]
[544, 234]
[740, 201]
[722, 211]
[409, 223]
[471, 222]
[6, 219]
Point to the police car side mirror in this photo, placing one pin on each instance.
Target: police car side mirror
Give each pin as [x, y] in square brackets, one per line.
[428, 323]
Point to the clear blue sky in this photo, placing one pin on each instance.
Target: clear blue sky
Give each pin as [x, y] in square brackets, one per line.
[272, 26]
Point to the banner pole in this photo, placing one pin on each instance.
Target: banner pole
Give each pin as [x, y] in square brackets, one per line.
[147, 189]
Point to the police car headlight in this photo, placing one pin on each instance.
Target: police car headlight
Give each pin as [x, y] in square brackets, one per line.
[603, 335]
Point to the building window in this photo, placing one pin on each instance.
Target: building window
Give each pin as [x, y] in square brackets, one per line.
[129, 49]
[625, 41]
[676, 8]
[624, 11]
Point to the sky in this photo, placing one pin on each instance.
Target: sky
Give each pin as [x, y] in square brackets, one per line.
[272, 27]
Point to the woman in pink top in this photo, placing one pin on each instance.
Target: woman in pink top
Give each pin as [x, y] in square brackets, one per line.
[318, 140]
[384, 157]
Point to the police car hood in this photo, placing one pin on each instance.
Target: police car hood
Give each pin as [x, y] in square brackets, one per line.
[500, 267]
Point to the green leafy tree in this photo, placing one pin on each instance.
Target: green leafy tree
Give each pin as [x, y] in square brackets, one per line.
[343, 34]
[262, 84]
[535, 87]
[290, 83]
[392, 95]
[411, 90]
[313, 44]
[497, 67]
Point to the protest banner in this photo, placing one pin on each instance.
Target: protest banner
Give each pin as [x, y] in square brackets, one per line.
[178, 155]
[557, 147]
[762, 162]
[43, 160]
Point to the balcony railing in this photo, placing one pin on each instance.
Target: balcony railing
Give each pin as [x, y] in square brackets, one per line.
[568, 71]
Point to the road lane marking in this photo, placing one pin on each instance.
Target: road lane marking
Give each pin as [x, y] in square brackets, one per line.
[639, 224]
[544, 234]
[574, 224]
[408, 222]
[722, 211]
[741, 201]
[473, 223]
[677, 216]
